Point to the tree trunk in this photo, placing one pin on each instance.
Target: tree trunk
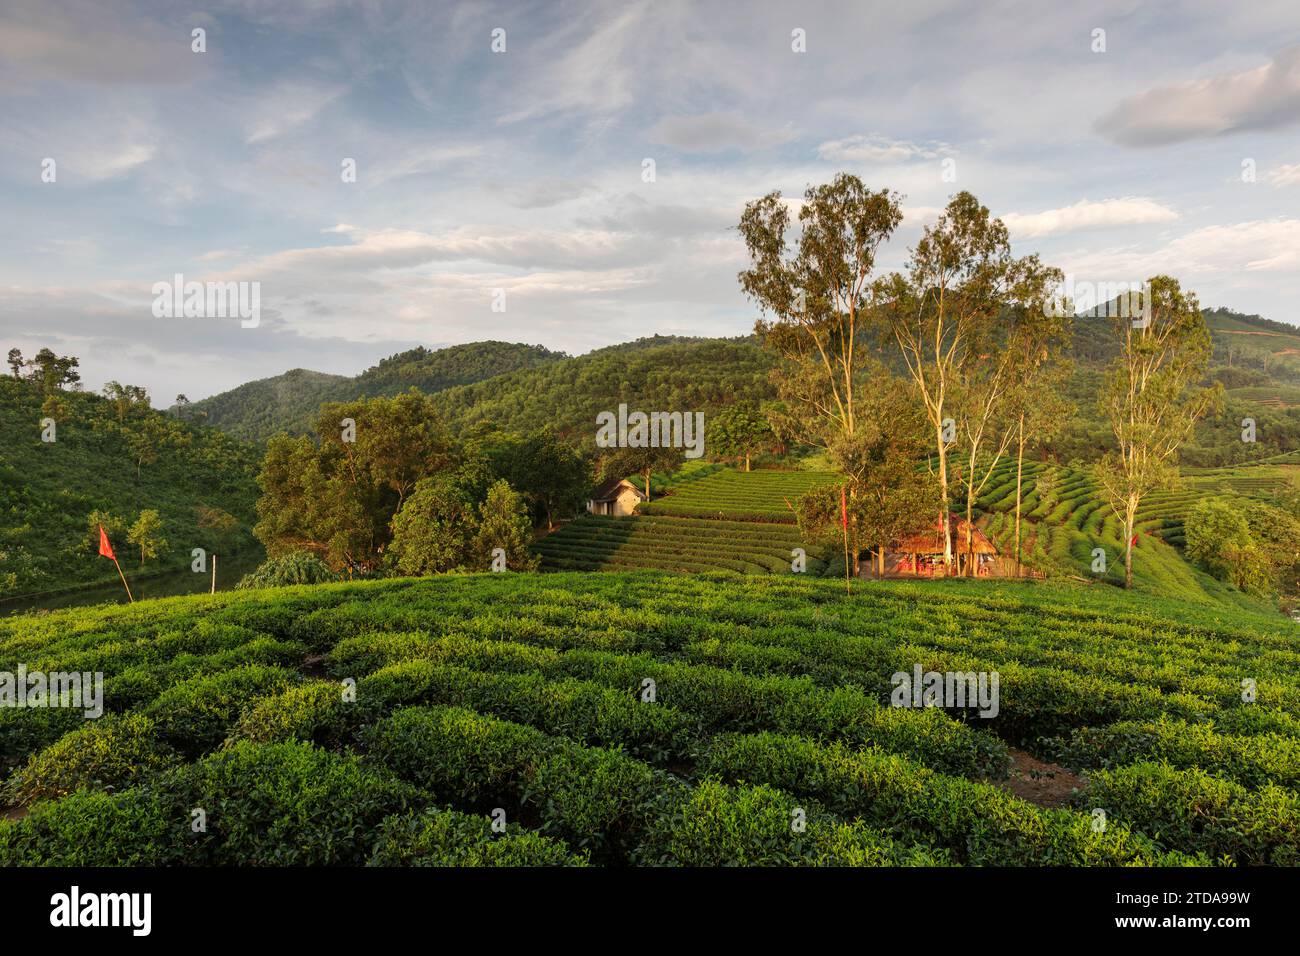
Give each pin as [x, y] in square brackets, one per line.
[880, 560]
[647, 486]
[943, 498]
[747, 461]
[970, 536]
[1128, 545]
[1020, 464]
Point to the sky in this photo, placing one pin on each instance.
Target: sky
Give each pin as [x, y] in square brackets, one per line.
[503, 155]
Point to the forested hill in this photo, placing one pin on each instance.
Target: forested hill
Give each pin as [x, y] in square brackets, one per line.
[1240, 341]
[257, 410]
[520, 387]
[123, 459]
[652, 374]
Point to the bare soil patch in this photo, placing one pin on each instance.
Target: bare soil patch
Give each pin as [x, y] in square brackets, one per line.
[1038, 782]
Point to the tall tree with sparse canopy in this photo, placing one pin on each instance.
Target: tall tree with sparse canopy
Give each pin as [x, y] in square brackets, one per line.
[817, 297]
[941, 314]
[1002, 356]
[643, 462]
[1150, 400]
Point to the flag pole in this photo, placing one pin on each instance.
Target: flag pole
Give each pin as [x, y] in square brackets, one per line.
[123, 576]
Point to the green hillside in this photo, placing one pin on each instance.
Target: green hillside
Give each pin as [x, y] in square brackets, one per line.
[47, 490]
[289, 402]
[741, 521]
[652, 374]
[652, 719]
[1064, 518]
[257, 410]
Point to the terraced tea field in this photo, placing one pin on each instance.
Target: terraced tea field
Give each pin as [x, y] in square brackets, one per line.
[651, 719]
[712, 519]
[1065, 518]
[766, 495]
[672, 544]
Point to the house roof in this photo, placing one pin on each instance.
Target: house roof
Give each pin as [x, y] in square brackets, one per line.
[931, 542]
[612, 487]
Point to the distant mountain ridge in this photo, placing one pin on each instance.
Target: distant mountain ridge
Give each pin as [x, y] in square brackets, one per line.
[520, 387]
[257, 410]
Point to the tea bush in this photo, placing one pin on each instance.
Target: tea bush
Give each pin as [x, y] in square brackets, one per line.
[649, 718]
[104, 754]
[449, 838]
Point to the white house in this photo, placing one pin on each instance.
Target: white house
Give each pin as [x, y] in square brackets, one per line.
[617, 496]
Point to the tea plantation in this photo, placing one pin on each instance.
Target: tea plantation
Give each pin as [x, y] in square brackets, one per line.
[673, 544]
[1065, 517]
[712, 519]
[648, 718]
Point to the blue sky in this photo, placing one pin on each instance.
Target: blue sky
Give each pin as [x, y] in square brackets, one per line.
[522, 170]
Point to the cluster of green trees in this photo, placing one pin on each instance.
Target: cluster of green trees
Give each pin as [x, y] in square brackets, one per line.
[956, 361]
[388, 489]
[1253, 544]
[947, 362]
[52, 374]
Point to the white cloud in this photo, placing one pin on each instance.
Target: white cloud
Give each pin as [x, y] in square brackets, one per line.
[415, 162]
[1267, 97]
[1256, 246]
[880, 149]
[376, 249]
[1285, 175]
[595, 74]
[1085, 214]
[287, 107]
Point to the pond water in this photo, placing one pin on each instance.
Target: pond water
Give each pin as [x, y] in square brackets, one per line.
[229, 571]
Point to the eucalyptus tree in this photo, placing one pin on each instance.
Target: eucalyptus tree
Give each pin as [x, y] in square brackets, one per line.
[1151, 399]
[947, 313]
[815, 290]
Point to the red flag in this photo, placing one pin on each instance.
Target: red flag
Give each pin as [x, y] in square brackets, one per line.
[844, 510]
[105, 548]
[1133, 543]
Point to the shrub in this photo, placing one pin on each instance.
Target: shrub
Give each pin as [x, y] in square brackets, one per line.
[287, 804]
[594, 798]
[104, 754]
[314, 712]
[296, 567]
[92, 828]
[716, 825]
[25, 731]
[195, 715]
[1252, 761]
[982, 823]
[583, 711]
[1192, 811]
[455, 754]
[1219, 540]
[448, 838]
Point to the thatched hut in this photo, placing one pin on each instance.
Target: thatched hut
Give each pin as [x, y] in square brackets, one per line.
[921, 554]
